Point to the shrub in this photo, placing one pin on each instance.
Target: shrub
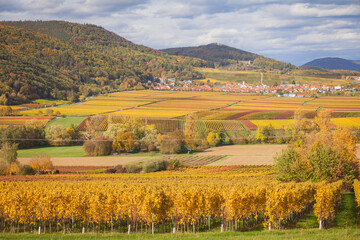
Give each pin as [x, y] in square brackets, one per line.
[170, 145]
[8, 153]
[27, 170]
[58, 136]
[98, 146]
[12, 169]
[110, 170]
[132, 168]
[155, 165]
[175, 163]
[120, 169]
[41, 163]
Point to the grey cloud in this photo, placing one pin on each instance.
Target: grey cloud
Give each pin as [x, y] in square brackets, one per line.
[290, 30]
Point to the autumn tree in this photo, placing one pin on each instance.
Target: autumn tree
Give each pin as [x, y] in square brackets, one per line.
[190, 130]
[124, 142]
[97, 146]
[58, 136]
[41, 163]
[320, 154]
[8, 153]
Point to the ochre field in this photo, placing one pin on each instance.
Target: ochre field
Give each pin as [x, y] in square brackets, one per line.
[247, 111]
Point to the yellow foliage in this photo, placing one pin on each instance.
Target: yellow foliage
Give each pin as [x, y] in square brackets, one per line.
[41, 163]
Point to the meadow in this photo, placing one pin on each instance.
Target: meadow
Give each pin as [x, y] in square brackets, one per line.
[250, 77]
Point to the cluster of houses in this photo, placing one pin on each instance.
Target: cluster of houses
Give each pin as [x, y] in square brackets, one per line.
[288, 90]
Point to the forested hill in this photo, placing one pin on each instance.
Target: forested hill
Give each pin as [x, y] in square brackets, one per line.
[140, 57]
[214, 53]
[57, 59]
[223, 55]
[35, 65]
[334, 63]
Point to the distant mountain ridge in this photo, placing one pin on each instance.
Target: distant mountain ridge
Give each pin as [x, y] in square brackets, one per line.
[334, 63]
[223, 55]
[214, 52]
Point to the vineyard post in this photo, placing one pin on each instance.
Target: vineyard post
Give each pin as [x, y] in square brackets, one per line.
[83, 228]
[172, 220]
[152, 224]
[72, 223]
[129, 228]
[269, 226]
[222, 219]
[320, 223]
[209, 222]
[279, 223]
[39, 232]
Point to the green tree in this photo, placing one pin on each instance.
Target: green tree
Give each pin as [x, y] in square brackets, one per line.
[322, 154]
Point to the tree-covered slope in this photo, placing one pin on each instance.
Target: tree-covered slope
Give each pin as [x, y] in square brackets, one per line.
[223, 55]
[139, 57]
[34, 65]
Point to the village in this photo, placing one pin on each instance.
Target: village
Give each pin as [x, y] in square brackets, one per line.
[281, 90]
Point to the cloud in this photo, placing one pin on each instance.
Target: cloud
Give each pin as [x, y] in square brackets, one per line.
[291, 30]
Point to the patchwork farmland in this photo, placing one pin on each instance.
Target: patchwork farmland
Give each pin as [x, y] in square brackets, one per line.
[213, 110]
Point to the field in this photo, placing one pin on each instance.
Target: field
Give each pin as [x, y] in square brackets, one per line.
[268, 78]
[205, 105]
[66, 121]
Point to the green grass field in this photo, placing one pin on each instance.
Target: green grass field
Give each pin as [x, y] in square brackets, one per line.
[66, 121]
[269, 78]
[329, 234]
[68, 151]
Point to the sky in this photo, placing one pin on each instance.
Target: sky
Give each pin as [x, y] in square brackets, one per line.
[293, 31]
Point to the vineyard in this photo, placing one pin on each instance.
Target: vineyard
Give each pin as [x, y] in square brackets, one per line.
[172, 105]
[231, 198]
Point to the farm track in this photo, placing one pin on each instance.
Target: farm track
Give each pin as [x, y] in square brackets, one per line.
[261, 154]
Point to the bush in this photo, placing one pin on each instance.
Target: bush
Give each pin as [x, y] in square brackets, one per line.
[110, 170]
[120, 169]
[41, 163]
[98, 146]
[155, 165]
[27, 170]
[175, 163]
[132, 168]
[170, 145]
[58, 136]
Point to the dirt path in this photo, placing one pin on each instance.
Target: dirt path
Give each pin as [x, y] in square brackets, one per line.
[245, 154]
[238, 155]
[248, 154]
[88, 161]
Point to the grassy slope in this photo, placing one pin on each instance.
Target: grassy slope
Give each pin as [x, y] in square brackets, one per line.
[346, 216]
[269, 78]
[68, 151]
[67, 121]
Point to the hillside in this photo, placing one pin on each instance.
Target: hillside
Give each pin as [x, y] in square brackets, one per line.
[35, 65]
[63, 56]
[222, 55]
[334, 63]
